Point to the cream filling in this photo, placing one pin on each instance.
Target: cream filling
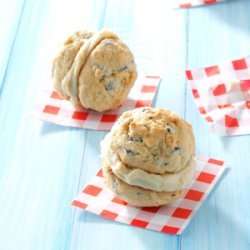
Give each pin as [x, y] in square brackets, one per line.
[168, 182]
[70, 82]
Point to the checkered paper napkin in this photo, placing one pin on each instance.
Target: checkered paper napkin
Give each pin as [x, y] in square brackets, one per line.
[52, 108]
[170, 219]
[192, 3]
[222, 94]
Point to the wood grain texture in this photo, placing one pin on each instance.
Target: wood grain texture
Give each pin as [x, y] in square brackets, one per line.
[43, 166]
[223, 222]
[39, 177]
[10, 13]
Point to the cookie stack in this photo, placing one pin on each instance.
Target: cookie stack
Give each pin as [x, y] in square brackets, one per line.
[94, 70]
[147, 158]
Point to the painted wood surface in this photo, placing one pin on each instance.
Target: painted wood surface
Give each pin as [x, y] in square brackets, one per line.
[43, 166]
[11, 14]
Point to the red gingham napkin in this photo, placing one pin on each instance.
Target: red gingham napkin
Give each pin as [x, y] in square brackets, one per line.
[52, 108]
[222, 94]
[191, 3]
[171, 219]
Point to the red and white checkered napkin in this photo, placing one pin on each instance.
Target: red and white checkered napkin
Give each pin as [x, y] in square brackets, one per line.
[52, 108]
[191, 3]
[172, 219]
[222, 94]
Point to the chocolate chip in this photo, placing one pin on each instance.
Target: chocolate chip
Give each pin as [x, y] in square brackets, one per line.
[147, 110]
[178, 150]
[160, 162]
[135, 139]
[172, 195]
[106, 71]
[131, 152]
[86, 36]
[125, 68]
[156, 157]
[102, 78]
[110, 85]
[169, 129]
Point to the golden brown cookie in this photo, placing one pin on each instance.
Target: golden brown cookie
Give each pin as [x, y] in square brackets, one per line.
[150, 150]
[154, 140]
[95, 70]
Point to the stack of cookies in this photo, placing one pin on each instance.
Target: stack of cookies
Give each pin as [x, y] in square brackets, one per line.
[94, 70]
[147, 158]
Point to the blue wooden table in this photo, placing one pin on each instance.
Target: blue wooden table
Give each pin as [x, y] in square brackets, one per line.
[43, 166]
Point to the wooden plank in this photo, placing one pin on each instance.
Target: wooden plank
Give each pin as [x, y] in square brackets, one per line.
[154, 47]
[223, 221]
[10, 13]
[40, 163]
